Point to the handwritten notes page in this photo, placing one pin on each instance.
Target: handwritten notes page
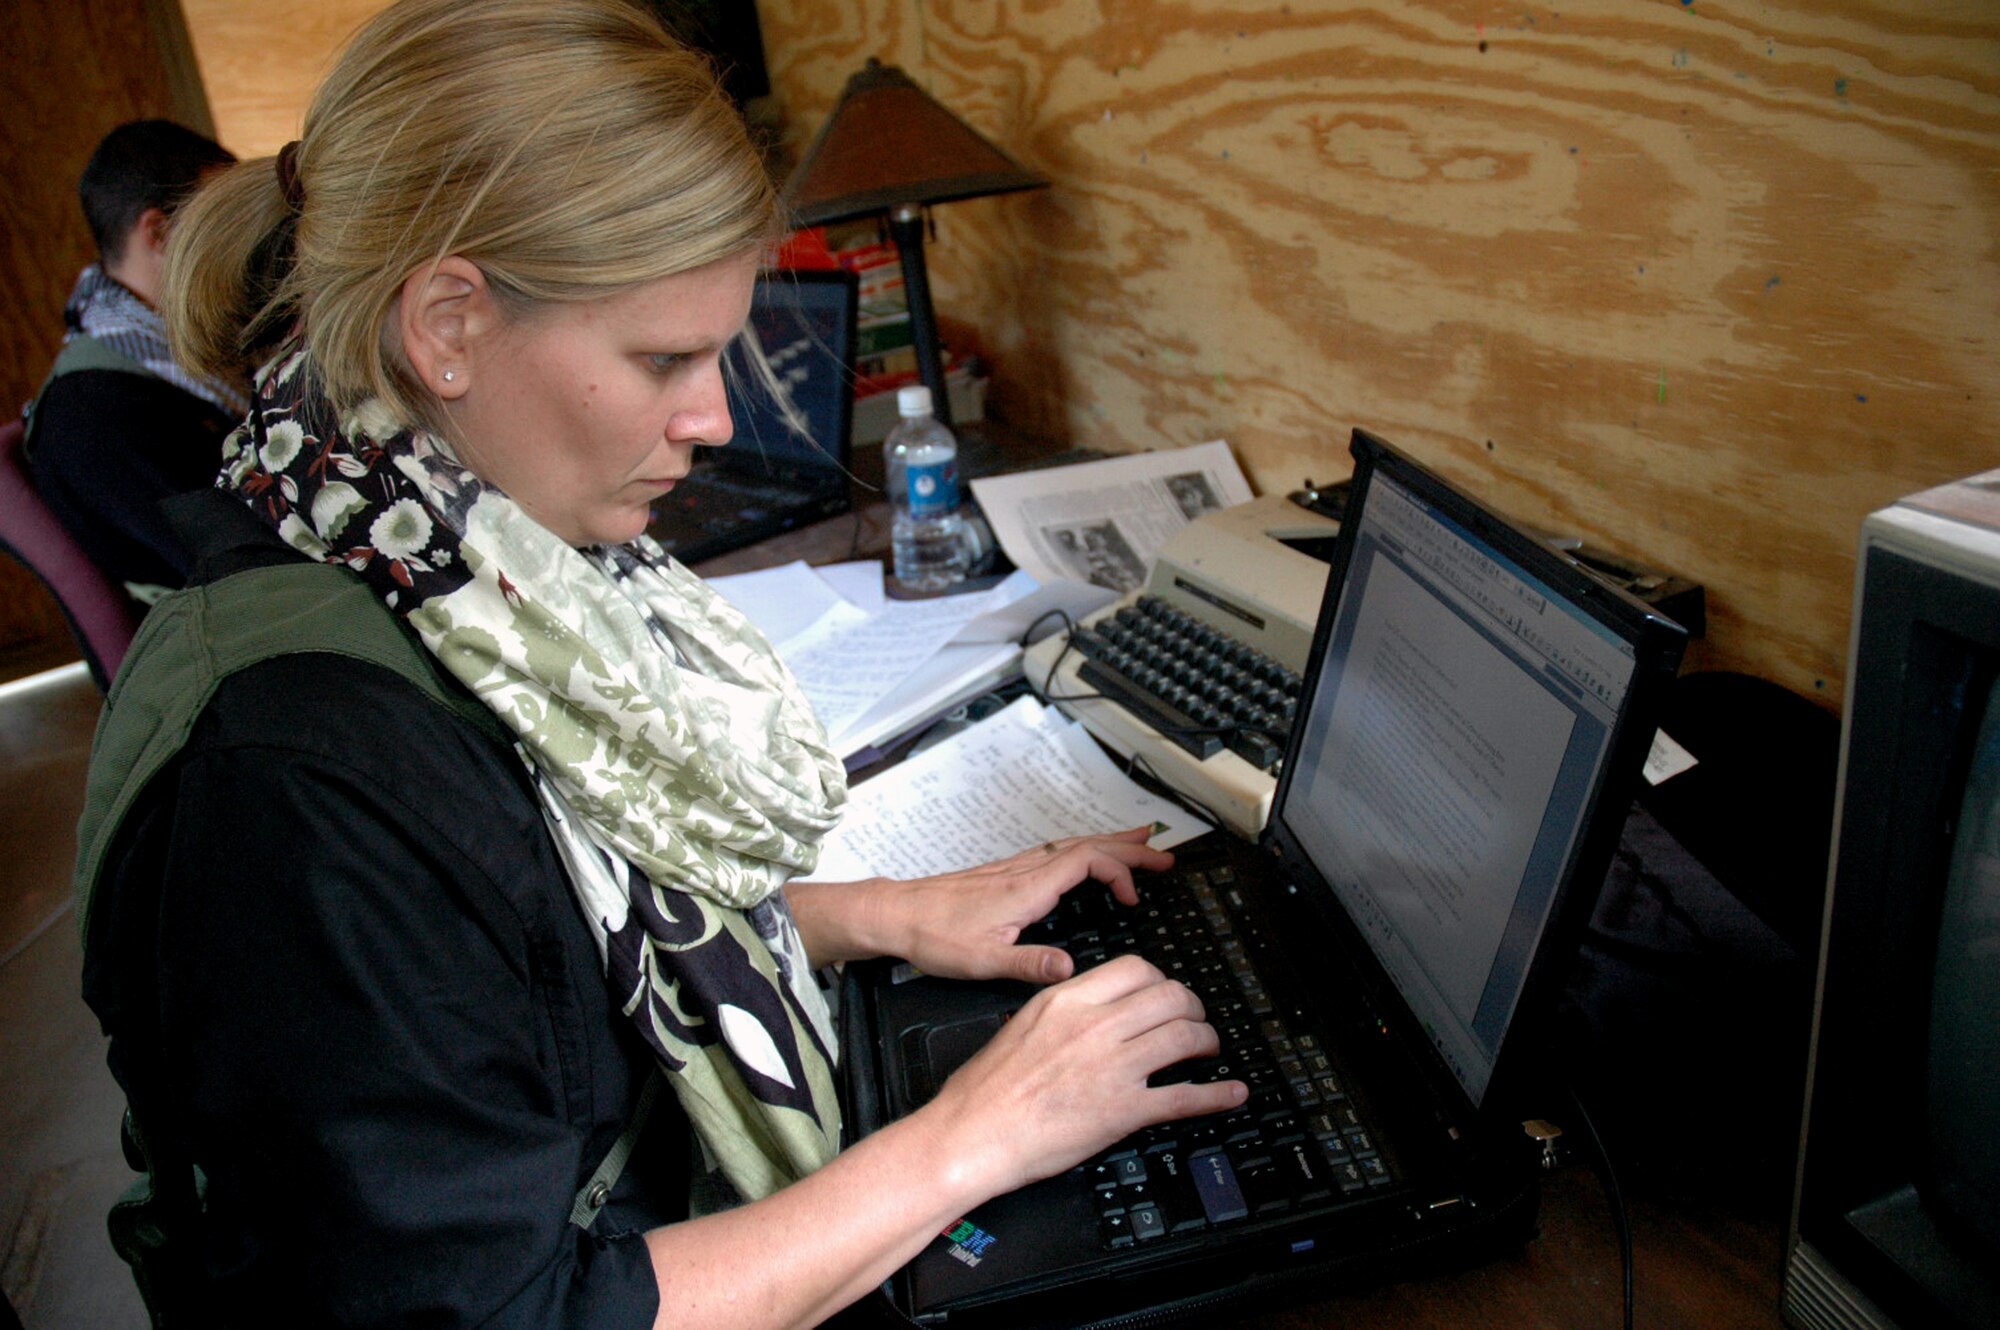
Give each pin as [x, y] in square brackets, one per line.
[1019, 778]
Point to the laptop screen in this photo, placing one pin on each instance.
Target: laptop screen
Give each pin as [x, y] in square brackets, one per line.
[803, 322]
[1449, 759]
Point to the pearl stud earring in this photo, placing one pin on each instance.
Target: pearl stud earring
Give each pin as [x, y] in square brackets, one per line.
[448, 376]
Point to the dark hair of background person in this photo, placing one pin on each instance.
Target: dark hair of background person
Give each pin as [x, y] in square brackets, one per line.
[139, 165]
[727, 31]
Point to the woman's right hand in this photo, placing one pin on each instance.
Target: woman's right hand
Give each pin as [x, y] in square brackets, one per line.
[1066, 1076]
[1063, 1079]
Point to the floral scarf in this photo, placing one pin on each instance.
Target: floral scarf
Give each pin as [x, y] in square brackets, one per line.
[681, 771]
[106, 310]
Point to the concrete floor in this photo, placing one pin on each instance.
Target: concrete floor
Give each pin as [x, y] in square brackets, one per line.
[60, 1165]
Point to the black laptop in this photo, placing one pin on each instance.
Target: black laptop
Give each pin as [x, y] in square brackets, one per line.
[1476, 711]
[774, 475]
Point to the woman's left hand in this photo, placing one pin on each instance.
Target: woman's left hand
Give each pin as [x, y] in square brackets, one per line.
[965, 925]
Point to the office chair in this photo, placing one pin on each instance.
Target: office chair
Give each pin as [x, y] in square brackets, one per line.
[101, 616]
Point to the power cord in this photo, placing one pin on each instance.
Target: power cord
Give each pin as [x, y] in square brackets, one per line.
[1069, 644]
[1550, 1136]
[1137, 767]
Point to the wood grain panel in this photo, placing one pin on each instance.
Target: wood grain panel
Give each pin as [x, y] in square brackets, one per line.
[1702, 282]
[92, 65]
[261, 61]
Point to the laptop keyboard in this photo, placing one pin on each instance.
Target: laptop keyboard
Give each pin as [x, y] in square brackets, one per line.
[1298, 1140]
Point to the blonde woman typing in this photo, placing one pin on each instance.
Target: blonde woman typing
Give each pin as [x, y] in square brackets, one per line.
[393, 977]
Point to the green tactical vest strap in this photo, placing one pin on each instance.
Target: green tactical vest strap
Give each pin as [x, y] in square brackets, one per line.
[194, 639]
[81, 352]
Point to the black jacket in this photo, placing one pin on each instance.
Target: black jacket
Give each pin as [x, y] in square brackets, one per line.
[109, 447]
[343, 971]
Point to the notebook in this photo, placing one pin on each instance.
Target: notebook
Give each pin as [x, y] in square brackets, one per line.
[771, 478]
[1475, 713]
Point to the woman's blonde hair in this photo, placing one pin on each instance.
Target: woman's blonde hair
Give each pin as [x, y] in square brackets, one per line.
[570, 148]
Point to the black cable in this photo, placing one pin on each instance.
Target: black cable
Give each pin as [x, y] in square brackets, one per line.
[1069, 624]
[1137, 766]
[854, 542]
[1614, 1196]
[1069, 645]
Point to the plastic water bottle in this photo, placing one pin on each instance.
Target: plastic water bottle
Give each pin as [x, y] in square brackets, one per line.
[920, 466]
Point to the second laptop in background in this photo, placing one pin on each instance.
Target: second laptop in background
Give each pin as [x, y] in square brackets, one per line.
[771, 478]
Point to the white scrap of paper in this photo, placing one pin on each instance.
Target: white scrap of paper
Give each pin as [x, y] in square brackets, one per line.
[1667, 759]
[784, 601]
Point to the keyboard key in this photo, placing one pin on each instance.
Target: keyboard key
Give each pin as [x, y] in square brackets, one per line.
[1129, 1169]
[1215, 1182]
[1305, 1176]
[1131, 1198]
[1282, 1128]
[1198, 1134]
[1263, 1189]
[1147, 1222]
[1175, 1192]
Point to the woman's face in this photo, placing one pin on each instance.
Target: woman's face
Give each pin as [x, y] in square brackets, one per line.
[585, 413]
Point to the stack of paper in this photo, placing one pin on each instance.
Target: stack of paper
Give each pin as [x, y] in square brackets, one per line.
[874, 668]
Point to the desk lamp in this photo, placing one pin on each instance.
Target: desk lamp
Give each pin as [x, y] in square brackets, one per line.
[889, 147]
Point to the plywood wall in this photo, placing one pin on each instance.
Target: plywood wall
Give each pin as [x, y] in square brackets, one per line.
[262, 59]
[1702, 281]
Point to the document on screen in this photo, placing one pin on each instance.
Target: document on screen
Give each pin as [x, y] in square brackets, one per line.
[1434, 770]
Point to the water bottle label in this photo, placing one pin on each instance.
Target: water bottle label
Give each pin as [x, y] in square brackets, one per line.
[933, 489]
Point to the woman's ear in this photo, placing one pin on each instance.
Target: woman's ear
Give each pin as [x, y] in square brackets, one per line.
[444, 316]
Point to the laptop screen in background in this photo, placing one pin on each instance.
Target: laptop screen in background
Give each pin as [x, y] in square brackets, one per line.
[802, 324]
[1448, 762]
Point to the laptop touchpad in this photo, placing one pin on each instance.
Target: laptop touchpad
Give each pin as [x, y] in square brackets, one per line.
[933, 1052]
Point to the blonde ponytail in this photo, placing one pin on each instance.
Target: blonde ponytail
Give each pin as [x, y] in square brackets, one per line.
[217, 288]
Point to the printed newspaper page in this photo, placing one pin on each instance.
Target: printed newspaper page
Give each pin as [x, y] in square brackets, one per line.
[1102, 522]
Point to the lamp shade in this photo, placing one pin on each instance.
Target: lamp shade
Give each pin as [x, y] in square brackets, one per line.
[889, 144]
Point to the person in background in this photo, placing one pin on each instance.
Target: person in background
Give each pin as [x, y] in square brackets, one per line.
[120, 425]
[391, 973]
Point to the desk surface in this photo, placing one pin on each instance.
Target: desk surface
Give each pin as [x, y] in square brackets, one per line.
[1698, 1265]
